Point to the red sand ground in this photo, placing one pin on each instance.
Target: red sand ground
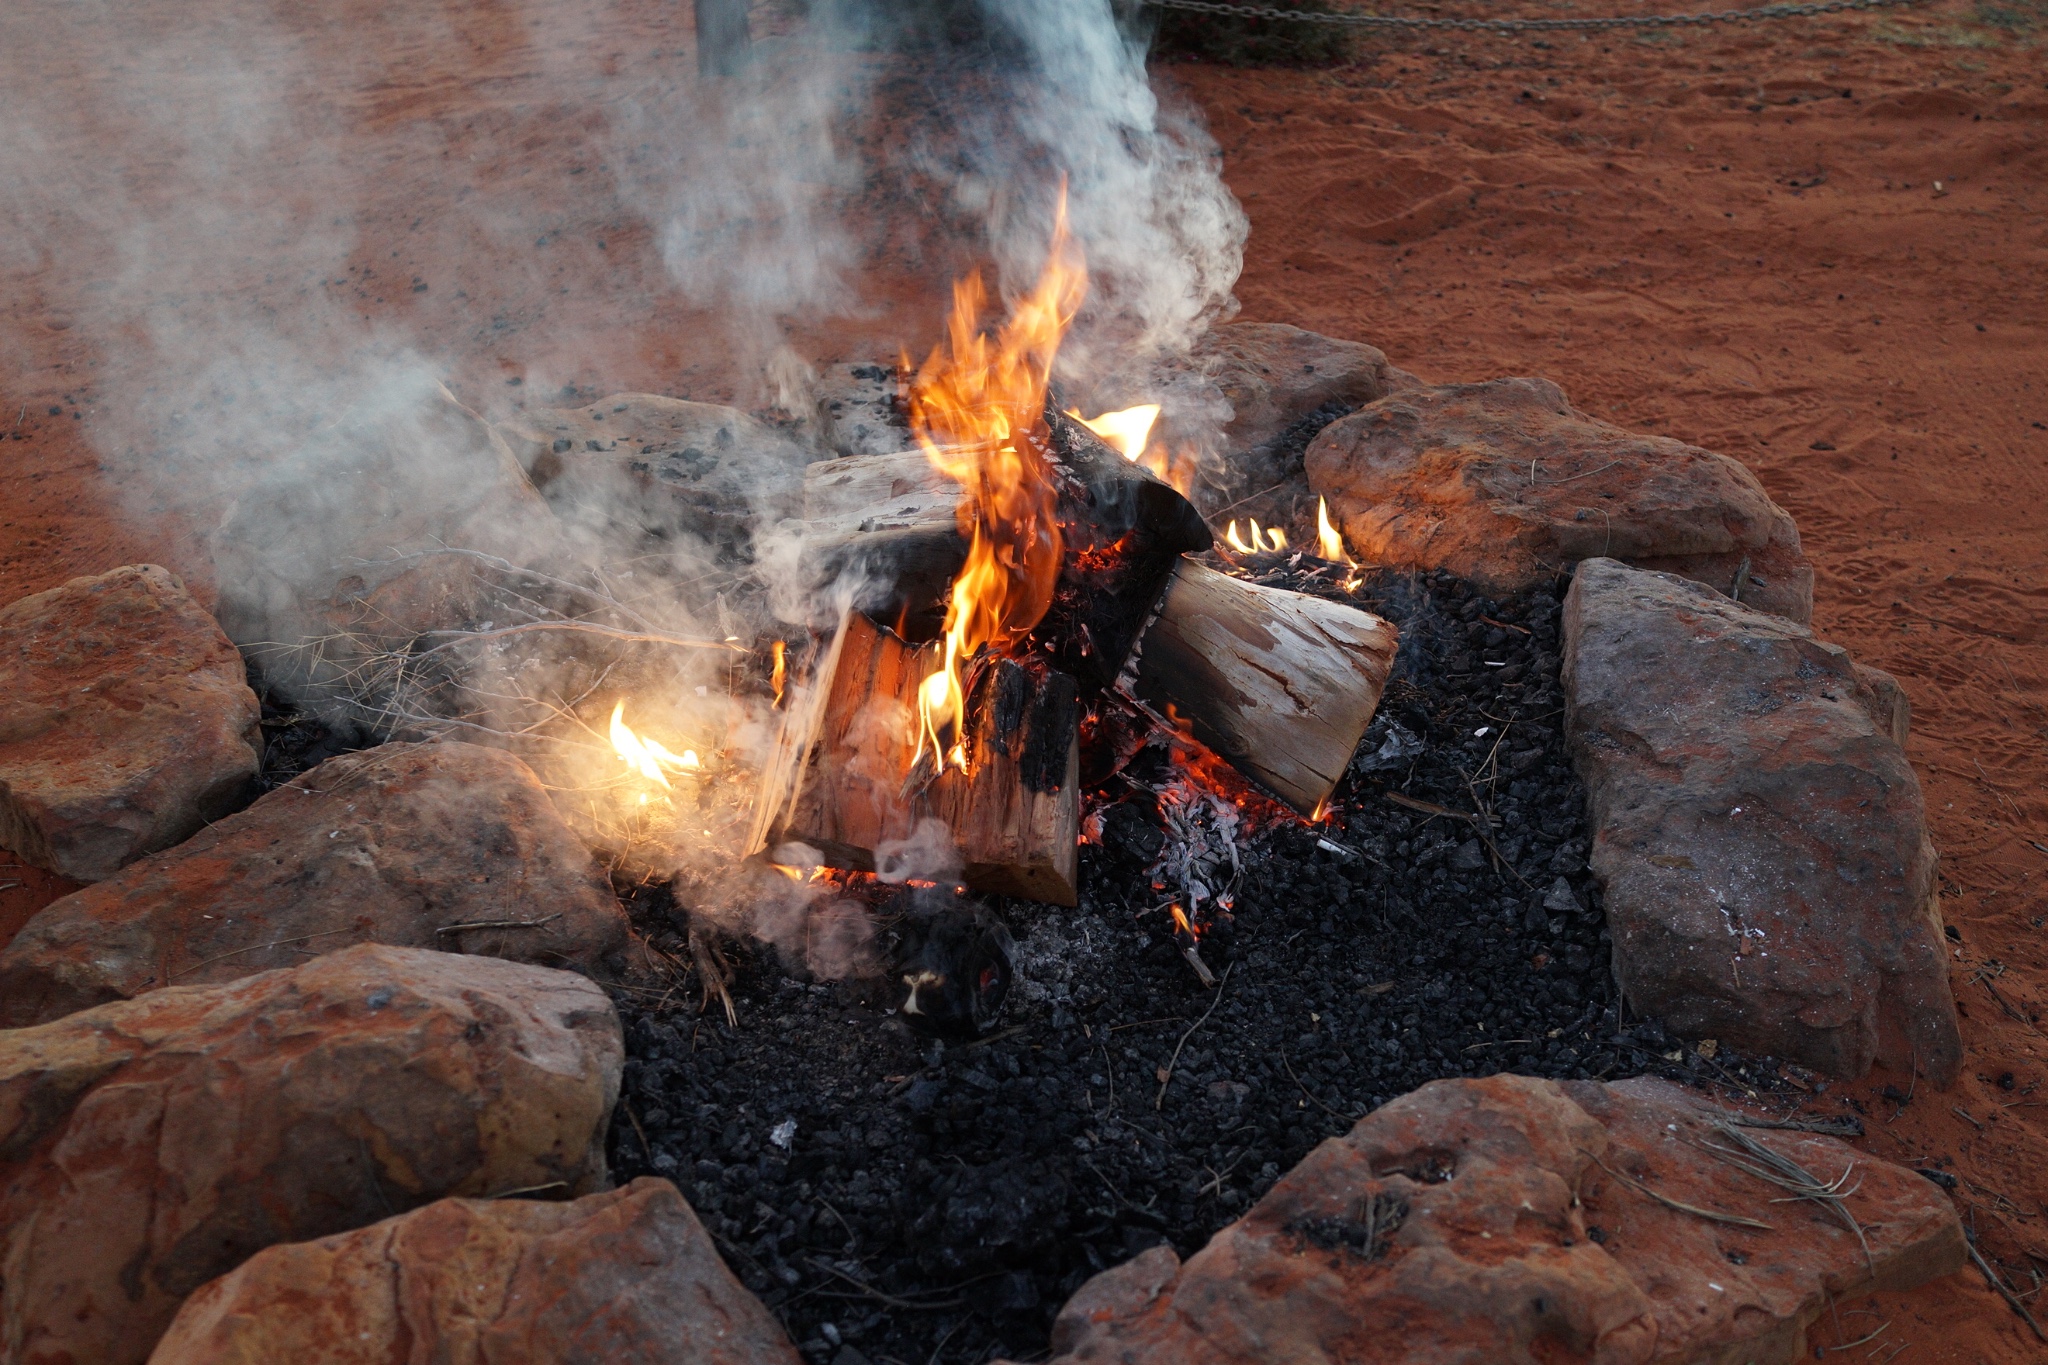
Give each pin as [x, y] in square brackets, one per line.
[1817, 246]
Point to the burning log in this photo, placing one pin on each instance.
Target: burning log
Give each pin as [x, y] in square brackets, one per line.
[898, 519]
[1280, 684]
[846, 777]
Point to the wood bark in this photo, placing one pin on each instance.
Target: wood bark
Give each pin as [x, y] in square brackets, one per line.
[1280, 684]
[840, 779]
[894, 521]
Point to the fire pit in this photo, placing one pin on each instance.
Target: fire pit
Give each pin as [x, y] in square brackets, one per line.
[1066, 879]
[890, 1190]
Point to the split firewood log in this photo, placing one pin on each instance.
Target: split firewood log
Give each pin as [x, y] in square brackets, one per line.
[1280, 684]
[846, 778]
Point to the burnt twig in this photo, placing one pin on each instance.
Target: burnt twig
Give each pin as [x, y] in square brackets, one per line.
[715, 974]
[1166, 1072]
[1310, 1093]
[890, 1299]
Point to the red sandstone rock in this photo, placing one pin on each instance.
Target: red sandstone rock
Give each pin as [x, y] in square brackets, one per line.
[1494, 1190]
[1761, 837]
[397, 845]
[1505, 484]
[625, 1278]
[149, 1146]
[1275, 375]
[1242, 387]
[128, 722]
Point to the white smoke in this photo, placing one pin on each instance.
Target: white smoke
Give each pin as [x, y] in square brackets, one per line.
[213, 207]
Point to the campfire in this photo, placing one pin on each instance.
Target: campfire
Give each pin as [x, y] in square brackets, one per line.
[1068, 608]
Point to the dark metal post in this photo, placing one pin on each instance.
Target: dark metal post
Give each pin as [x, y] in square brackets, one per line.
[722, 37]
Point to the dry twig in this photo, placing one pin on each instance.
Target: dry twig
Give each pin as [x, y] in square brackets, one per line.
[498, 924]
[2004, 1290]
[1732, 1219]
[1774, 1168]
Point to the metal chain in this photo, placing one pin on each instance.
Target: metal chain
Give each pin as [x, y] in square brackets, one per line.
[1733, 16]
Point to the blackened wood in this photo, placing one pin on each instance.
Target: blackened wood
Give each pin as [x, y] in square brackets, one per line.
[1126, 529]
[1281, 684]
[837, 780]
[891, 521]
[895, 520]
[722, 37]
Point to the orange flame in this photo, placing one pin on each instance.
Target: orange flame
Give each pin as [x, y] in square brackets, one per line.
[781, 674]
[1129, 432]
[1184, 926]
[647, 757]
[1269, 541]
[1126, 431]
[1331, 544]
[977, 406]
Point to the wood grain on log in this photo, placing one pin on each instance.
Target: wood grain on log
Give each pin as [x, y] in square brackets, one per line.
[1280, 684]
[840, 777]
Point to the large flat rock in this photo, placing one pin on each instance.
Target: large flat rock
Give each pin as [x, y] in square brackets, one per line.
[128, 722]
[362, 538]
[1506, 484]
[1274, 375]
[1760, 836]
[636, 465]
[401, 844]
[150, 1146]
[1505, 1220]
[628, 1277]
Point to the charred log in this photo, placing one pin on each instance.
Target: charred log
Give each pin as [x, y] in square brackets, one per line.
[846, 778]
[951, 962]
[896, 521]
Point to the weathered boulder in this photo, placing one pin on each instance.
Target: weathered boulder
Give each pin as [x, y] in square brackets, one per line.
[150, 1146]
[1244, 388]
[405, 844]
[860, 410]
[1477, 1223]
[640, 465]
[1759, 833]
[1275, 375]
[628, 1277]
[128, 722]
[362, 539]
[1505, 484]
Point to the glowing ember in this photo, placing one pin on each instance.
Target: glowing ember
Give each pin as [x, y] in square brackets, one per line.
[1332, 544]
[1268, 541]
[1126, 431]
[977, 407]
[647, 757]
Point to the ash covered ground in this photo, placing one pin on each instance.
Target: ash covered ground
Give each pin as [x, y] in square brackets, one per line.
[897, 1199]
